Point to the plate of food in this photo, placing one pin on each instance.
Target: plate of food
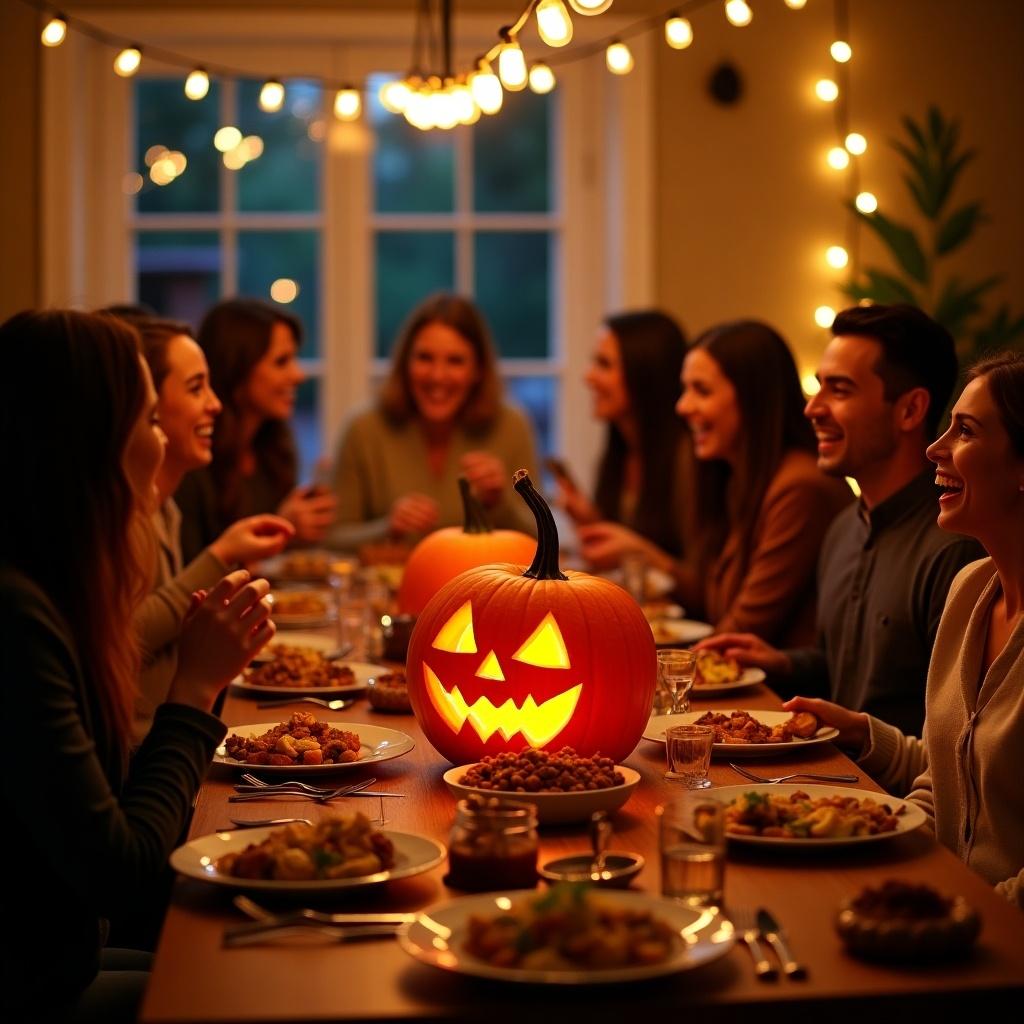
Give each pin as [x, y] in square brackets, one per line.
[569, 935]
[307, 746]
[813, 816]
[302, 606]
[657, 582]
[670, 632]
[299, 668]
[548, 780]
[342, 850]
[716, 674]
[749, 733]
[312, 565]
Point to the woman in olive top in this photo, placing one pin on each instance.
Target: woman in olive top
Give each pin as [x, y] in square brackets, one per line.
[90, 830]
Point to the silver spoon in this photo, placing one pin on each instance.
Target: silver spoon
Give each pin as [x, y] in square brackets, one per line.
[263, 823]
[331, 705]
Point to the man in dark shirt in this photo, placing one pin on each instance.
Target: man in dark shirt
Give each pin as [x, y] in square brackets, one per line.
[885, 566]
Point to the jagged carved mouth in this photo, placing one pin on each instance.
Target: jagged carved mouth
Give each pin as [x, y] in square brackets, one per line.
[537, 723]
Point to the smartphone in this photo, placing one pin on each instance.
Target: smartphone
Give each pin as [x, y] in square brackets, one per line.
[560, 471]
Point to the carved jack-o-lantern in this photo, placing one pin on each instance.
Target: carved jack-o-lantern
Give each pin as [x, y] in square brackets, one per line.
[443, 554]
[501, 659]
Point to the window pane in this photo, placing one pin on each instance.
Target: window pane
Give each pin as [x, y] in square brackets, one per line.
[165, 116]
[266, 257]
[410, 266]
[178, 272]
[512, 274]
[413, 171]
[286, 177]
[537, 396]
[512, 155]
[306, 427]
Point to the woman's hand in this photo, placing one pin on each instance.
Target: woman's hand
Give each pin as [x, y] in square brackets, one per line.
[311, 512]
[253, 539]
[748, 649]
[604, 544]
[854, 726]
[413, 513]
[487, 475]
[222, 632]
[581, 510]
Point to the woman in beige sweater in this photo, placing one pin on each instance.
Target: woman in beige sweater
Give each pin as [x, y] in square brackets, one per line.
[965, 771]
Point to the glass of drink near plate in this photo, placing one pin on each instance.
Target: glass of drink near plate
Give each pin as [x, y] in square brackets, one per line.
[677, 670]
[691, 841]
[688, 750]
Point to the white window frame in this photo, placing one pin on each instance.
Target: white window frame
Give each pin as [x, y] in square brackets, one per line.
[604, 215]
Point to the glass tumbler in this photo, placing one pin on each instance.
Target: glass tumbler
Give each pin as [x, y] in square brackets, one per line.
[677, 670]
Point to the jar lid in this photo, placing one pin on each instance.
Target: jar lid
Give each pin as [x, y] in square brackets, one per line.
[499, 811]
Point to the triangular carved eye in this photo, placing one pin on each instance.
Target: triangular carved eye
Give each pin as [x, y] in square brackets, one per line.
[545, 648]
[491, 668]
[456, 635]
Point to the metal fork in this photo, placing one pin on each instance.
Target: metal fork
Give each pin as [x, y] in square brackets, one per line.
[795, 775]
[331, 705]
[745, 924]
[260, 913]
[259, 783]
[322, 796]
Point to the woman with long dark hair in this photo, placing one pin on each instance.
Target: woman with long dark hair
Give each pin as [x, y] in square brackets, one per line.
[439, 416]
[757, 507]
[251, 348]
[634, 379]
[73, 568]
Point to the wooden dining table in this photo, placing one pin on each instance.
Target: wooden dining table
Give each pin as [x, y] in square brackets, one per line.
[195, 978]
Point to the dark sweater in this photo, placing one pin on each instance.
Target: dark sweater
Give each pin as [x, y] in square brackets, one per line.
[85, 838]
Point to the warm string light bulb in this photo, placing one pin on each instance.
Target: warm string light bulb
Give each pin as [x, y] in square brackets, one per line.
[542, 78]
[554, 25]
[841, 51]
[836, 256]
[446, 116]
[197, 85]
[738, 13]
[466, 110]
[826, 90]
[678, 32]
[824, 316]
[796, 5]
[394, 95]
[485, 86]
[271, 96]
[619, 59]
[419, 110]
[856, 143]
[866, 202]
[226, 138]
[838, 158]
[54, 31]
[347, 104]
[588, 8]
[127, 62]
[512, 66]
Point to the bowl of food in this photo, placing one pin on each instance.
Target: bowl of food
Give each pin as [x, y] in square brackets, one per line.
[388, 691]
[563, 786]
[906, 921]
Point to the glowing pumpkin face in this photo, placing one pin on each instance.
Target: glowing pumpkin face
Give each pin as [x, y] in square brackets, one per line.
[500, 660]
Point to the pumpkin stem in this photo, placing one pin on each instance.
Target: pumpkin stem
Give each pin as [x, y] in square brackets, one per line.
[545, 561]
[474, 519]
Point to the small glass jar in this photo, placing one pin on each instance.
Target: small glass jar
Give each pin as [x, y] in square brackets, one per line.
[493, 845]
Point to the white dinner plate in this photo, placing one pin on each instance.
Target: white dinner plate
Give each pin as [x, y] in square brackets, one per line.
[680, 631]
[655, 732]
[363, 671]
[302, 620]
[555, 807]
[748, 677]
[912, 818]
[657, 583]
[376, 744]
[300, 566]
[438, 937]
[413, 855]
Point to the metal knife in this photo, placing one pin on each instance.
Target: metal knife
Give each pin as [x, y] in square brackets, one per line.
[771, 931]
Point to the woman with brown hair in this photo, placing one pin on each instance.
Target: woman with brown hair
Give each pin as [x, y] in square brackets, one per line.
[439, 416]
[72, 571]
[757, 506]
[252, 349]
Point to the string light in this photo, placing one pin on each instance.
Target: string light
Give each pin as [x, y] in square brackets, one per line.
[738, 13]
[419, 110]
[54, 33]
[252, 146]
[347, 104]
[841, 51]
[810, 383]
[838, 158]
[836, 256]
[678, 32]
[131, 184]
[466, 110]
[856, 143]
[796, 5]
[589, 8]
[542, 78]
[485, 86]
[394, 95]
[197, 85]
[866, 202]
[271, 96]
[824, 316]
[619, 58]
[284, 290]
[553, 22]
[227, 138]
[127, 62]
[512, 66]
[826, 90]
